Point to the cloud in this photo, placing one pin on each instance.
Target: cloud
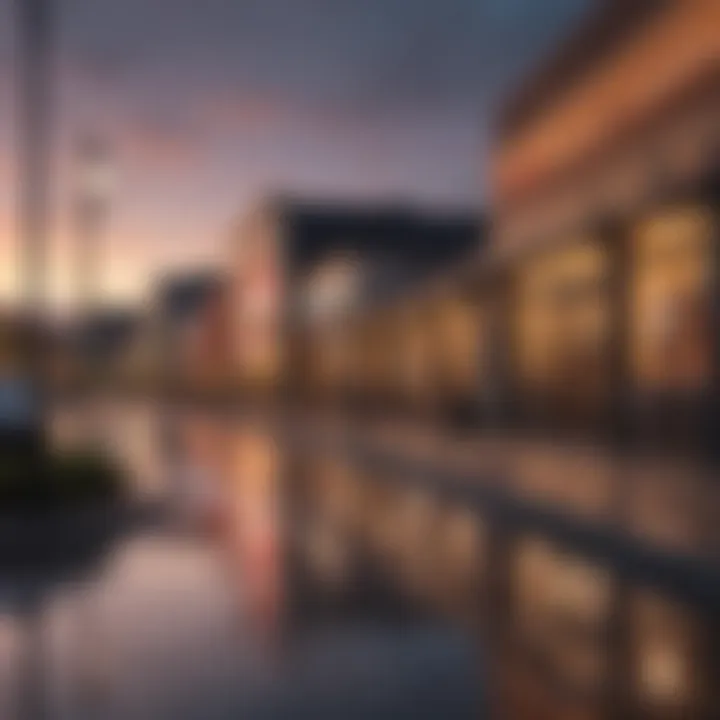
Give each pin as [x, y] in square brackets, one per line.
[241, 111]
[159, 146]
[153, 140]
[416, 53]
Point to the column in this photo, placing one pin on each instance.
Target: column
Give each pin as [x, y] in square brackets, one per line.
[619, 405]
[711, 430]
[497, 395]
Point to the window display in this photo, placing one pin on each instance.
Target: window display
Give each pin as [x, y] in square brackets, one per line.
[563, 319]
[672, 270]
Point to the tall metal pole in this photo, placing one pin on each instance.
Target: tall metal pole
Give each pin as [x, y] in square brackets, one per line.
[91, 209]
[92, 205]
[34, 84]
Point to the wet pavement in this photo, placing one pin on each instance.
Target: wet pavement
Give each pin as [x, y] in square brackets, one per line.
[660, 500]
[190, 614]
[317, 569]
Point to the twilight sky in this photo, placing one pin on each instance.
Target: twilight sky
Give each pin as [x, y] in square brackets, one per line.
[209, 104]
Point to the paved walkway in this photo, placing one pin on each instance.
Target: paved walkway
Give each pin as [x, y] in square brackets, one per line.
[670, 504]
[160, 635]
[155, 636]
[164, 631]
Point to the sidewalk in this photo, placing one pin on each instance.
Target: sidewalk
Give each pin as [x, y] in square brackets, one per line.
[153, 636]
[671, 504]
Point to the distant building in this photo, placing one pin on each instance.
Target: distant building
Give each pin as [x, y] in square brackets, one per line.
[208, 348]
[183, 307]
[104, 337]
[299, 266]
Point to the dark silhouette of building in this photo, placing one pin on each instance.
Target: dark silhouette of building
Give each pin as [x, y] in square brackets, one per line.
[300, 265]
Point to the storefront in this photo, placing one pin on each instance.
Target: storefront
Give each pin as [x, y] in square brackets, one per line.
[561, 333]
[417, 372]
[373, 362]
[672, 335]
[613, 289]
[459, 348]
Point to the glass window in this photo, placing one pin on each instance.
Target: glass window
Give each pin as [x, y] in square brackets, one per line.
[671, 332]
[562, 326]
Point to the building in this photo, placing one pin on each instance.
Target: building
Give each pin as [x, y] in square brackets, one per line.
[102, 340]
[593, 309]
[300, 266]
[185, 323]
[605, 209]
[592, 312]
[208, 346]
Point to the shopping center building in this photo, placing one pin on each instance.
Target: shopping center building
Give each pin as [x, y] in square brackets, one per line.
[593, 308]
[591, 311]
[606, 220]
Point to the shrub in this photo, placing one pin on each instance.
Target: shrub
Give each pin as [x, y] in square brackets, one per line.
[48, 480]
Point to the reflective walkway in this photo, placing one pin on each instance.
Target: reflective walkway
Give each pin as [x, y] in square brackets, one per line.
[303, 567]
[194, 615]
[668, 503]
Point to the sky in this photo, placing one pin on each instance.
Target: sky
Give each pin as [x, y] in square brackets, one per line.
[209, 105]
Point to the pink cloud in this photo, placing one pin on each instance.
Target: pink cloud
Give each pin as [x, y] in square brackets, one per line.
[250, 113]
[160, 147]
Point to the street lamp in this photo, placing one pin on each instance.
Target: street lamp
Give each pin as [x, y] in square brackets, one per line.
[21, 389]
[35, 76]
[94, 186]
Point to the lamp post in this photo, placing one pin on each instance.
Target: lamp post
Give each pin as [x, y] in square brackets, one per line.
[34, 82]
[21, 391]
[93, 187]
[95, 183]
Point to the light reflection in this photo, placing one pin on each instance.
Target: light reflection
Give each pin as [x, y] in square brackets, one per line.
[255, 532]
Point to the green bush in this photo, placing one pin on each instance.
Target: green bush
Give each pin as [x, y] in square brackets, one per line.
[46, 480]
[86, 475]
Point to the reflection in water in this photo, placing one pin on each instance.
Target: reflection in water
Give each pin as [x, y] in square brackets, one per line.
[253, 483]
[281, 579]
[564, 634]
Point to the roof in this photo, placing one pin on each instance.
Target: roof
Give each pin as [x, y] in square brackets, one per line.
[384, 233]
[605, 29]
